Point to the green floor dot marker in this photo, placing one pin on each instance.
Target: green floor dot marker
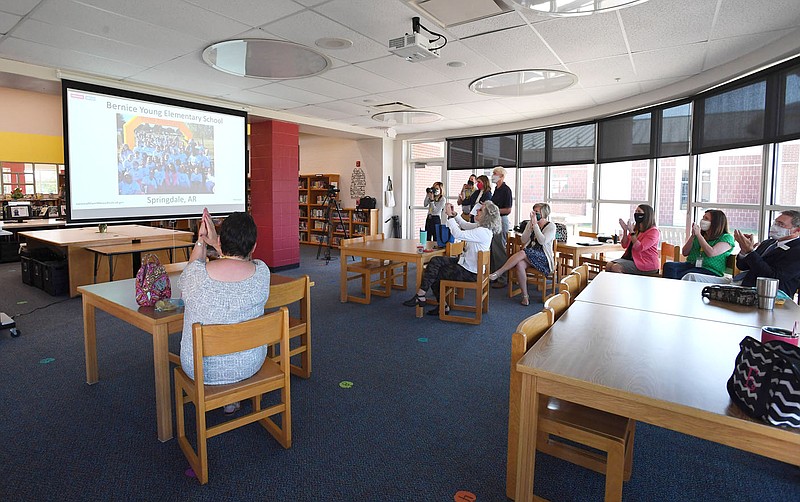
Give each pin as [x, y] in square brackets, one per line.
[23, 302]
[422, 339]
[345, 384]
[46, 360]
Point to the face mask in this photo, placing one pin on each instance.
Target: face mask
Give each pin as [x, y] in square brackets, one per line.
[776, 232]
[436, 192]
[638, 217]
[704, 225]
[479, 185]
[538, 216]
[495, 178]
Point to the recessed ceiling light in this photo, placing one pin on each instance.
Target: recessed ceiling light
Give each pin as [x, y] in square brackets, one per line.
[334, 43]
[573, 7]
[405, 117]
[456, 64]
[523, 82]
[265, 58]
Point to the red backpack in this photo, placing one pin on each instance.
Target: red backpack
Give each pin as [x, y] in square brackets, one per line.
[152, 282]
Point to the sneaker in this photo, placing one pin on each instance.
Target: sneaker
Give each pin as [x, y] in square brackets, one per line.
[232, 408]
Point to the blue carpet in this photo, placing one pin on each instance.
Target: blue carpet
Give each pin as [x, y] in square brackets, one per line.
[422, 420]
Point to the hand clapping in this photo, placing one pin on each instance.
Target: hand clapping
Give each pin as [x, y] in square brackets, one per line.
[746, 241]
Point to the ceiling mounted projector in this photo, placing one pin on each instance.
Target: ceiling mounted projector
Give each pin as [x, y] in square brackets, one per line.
[413, 47]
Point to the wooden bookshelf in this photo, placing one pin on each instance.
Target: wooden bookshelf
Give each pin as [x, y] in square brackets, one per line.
[350, 222]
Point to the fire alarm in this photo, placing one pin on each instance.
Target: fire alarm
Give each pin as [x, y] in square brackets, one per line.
[358, 163]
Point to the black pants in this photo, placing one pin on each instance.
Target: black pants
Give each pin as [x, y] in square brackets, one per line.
[430, 226]
[444, 267]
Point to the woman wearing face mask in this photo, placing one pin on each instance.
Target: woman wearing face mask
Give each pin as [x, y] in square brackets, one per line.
[464, 195]
[640, 241]
[482, 193]
[538, 253]
[706, 249]
[434, 201]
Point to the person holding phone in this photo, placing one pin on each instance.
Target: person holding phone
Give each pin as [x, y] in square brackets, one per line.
[706, 249]
[464, 196]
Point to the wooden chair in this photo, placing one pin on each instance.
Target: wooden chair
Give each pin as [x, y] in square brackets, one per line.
[596, 262]
[218, 339]
[296, 291]
[583, 272]
[363, 270]
[730, 264]
[452, 250]
[611, 436]
[447, 294]
[178, 267]
[571, 284]
[558, 303]
[542, 282]
[395, 269]
[669, 252]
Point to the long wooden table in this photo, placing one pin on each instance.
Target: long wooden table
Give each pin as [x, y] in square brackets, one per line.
[75, 242]
[118, 299]
[665, 369]
[387, 249]
[135, 249]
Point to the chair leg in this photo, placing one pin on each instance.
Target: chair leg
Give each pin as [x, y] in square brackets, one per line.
[201, 471]
[615, 467]
[629, 450]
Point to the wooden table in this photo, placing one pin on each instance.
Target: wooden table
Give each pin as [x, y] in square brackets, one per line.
[387, 249]
[655, 367]
[75, 242]
[681, 298]
[135, 249]
[118, 299]
[573, 246]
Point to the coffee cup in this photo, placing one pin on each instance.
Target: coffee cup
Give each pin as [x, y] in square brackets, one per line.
[771, 333]
[767, 289]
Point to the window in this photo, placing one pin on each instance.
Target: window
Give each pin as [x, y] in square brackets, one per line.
[531, 189]
[573, 145]
[732, 118]
[427, 150]
[672, 198]
[627, 180]
[460, 153]
[571, 195]
[731, 176]
[533, 149]
[497, 151]
[676, 127]
[787, 174]
[790, 113]
[625, 137]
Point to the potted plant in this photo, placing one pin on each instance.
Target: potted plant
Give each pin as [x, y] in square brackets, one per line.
[17, 193]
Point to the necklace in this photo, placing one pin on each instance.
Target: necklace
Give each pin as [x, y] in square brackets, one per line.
[223, 257]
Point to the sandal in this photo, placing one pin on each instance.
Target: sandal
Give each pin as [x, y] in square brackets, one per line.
[232, 408]
[415, 301]
[493, 276]
[525, 301]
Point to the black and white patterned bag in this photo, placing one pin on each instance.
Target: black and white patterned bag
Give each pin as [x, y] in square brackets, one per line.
[765, 382]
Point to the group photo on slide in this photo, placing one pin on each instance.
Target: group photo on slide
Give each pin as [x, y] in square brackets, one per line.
[157, 156]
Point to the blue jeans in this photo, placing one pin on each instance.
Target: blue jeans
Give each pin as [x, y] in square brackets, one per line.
[677, 269]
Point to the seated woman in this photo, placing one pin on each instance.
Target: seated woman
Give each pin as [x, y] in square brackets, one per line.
[706, 249]
[476, 236]
[229, 290]
[538, 253]
[640, 241]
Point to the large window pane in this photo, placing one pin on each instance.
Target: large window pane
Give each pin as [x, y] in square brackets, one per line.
[672, 198]
[497, 151]
[609, 214]
[455, 182]
[46, 176]
[510, 180]
[531, 189]
[573, 144]
[625, 137]
[676, 127]
[576, 216]
[787, 174]
[571, 182]
[533, 149]
[790, 119]
[734, 117]
[625, 180]
[730, 176]
[460, 153]
[427, 150]
[746, 220]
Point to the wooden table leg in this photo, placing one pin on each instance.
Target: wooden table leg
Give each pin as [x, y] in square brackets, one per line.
[526, 454]
[418, 309]
[343, 278]
[305, 315]
[90, 341]
[161, 368]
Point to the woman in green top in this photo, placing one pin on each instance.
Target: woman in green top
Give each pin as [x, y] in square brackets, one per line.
[706, 249]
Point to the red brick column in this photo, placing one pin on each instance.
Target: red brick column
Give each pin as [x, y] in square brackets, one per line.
[274, 169]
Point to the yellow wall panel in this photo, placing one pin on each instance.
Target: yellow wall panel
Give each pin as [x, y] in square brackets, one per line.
[20, 147]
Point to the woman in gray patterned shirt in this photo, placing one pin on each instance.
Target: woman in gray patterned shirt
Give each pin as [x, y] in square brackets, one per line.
[229, 290]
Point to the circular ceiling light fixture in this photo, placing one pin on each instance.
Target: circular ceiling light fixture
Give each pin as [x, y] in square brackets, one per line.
[523, 82]
[265, 58]
[407, 117]
[574, 7]
[333, 43]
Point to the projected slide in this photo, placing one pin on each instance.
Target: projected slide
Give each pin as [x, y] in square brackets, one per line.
[132, 156]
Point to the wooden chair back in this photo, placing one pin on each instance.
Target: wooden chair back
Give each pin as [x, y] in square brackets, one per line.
[454, 249]
[571, 284]
[373, 237]
[447, 294]
[588, 431]
[218, 339]
[559, 303]
[286, 294]
[730, 264]
[584, 233]
[669, 252]
[363, 269]
[173, 268]
[583, 272]
[545, 283]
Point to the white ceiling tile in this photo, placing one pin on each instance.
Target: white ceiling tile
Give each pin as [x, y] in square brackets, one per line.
[18, 7]
[249, 12]
[306, 27]
[415, 98]
[727, 49]
[324, 87]
[178, 16]
[185, 82]
[490, 24]
[379, 21]
[192, 64]
[453, 111]
[745, 17]
[513, 49]
[672, 62]
[319, 112]
[604, 71]
[476, 64]
[528, 104]
[651, 85]
[7, 21]
[360, 78]
[279, 90]
[351, 109]
[454, 92]
[263, 100]
[599, 35]
[610, 93]
[653, 25]
[400, 70]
